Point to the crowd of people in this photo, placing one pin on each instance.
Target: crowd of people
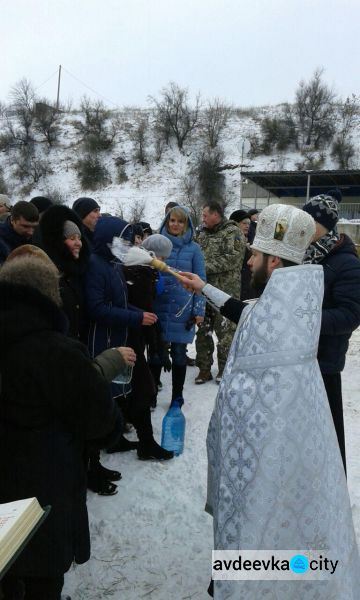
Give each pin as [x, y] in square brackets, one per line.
[73, 317]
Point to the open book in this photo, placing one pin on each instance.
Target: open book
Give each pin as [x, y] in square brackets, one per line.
[18, 522]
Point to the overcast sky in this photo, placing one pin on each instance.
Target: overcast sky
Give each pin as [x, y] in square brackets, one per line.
[251, 52]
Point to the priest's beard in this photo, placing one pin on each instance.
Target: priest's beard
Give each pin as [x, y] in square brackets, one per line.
[259, 278]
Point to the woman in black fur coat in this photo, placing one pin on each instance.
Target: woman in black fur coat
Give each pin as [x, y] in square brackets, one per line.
[62, 240]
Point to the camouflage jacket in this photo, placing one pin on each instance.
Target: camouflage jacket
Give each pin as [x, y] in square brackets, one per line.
[224, 250]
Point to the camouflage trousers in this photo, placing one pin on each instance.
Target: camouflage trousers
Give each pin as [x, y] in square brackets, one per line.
[224, 329]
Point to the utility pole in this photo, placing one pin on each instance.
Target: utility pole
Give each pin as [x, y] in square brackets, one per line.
[241, 166]
[58, 89]
[308, 184]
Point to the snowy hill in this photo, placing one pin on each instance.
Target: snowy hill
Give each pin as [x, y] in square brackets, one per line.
[153, 184]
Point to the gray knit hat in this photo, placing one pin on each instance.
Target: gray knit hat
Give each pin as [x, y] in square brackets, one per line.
[159, 244]
[70, 228]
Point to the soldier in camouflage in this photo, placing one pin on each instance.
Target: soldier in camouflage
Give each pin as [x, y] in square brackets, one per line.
[224, 249]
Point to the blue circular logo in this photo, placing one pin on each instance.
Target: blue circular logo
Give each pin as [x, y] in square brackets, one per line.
[299, 563]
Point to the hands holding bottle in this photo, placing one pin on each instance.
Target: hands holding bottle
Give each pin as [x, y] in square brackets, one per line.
[127, 354]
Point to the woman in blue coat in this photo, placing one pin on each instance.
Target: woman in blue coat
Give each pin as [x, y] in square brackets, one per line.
[177, 309]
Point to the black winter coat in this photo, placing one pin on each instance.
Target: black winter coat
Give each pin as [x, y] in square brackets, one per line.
[141, 286]
[72, 270]
[52, 401]
[341, 305]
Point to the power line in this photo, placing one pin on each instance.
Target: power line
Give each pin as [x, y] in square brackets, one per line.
[48, 79]
[90, 88]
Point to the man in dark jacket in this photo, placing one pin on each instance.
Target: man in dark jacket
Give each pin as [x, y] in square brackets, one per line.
[253, 214]
[89, 212]
[52, 401]
[18, 228]
[341, 305]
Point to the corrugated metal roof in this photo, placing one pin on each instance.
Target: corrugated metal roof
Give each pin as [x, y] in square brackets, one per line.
[294, 183]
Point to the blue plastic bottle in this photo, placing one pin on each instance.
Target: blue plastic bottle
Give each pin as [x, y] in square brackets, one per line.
[173, 428]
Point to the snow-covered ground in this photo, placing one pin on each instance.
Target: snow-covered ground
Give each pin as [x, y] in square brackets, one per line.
[153, 539]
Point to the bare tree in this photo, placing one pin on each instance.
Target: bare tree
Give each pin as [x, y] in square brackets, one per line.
[3, 186]
[91, 172]
[94, 130]
[174, 115]
[190, 197]
[47, 120]
[138, 135]
[215, 118]
[22, 96]
[137, 211]
[2, 109]
[209, 173]
[30, 168]
[343, 149]
[315, 111]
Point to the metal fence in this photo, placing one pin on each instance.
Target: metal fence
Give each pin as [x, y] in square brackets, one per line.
[347, 210]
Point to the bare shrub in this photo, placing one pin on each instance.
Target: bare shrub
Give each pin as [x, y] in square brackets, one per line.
[47, 121]
[6, 141]
[173, 114]
[215, 118]
[211, 180]
[29, 168]
[3, 186]
[315, 111]
[95, 132]
[121, 175]
[343, 149]
[190, 197]
[312, 161]
[92, 173]
[22, 97]
[139, 137]
[137, 211]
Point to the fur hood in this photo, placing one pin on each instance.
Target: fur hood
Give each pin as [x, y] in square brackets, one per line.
[52, 227]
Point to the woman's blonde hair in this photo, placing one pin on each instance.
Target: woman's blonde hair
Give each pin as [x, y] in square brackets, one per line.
[180, 214]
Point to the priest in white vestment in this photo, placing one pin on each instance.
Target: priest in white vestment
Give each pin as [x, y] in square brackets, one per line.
[275, 475]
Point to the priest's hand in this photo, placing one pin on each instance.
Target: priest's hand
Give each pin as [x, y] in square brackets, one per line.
[192, 282]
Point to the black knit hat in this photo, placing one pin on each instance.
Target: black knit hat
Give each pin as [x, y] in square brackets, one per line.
[239, 215]
[146, 227]
[42, 203]
[325, 208]
[84, 206]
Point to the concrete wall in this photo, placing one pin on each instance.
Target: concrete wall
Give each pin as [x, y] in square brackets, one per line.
[351, 230]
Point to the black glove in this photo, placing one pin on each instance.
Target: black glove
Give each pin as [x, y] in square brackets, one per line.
[190, 323]
[166, 362]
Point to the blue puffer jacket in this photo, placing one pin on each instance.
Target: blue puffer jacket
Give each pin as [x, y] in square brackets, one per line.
[341, 305]
[186, 255]
[105, 291]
